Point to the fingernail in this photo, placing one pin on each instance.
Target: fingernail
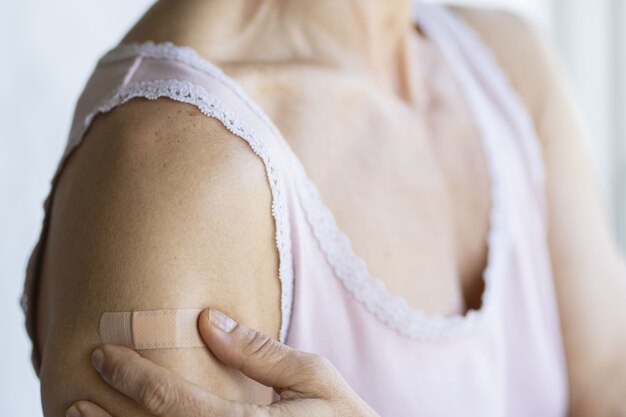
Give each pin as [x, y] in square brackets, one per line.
[221, 320]
[97, 359]
[73, 411]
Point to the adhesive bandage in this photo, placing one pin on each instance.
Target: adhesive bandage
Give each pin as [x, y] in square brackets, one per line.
[152, 329]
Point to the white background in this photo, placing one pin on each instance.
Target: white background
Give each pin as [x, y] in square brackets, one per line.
[48, 50]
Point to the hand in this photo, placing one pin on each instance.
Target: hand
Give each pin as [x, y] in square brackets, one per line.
[308, 384]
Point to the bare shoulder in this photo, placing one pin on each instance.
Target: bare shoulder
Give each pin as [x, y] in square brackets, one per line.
[159, 207]
[521, 47]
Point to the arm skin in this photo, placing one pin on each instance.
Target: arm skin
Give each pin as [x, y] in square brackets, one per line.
[589, 271]
[160, 207]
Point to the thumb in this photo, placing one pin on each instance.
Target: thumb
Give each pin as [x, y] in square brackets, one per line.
[265, 359]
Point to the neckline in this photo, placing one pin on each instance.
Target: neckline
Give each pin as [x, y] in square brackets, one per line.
[350, 268]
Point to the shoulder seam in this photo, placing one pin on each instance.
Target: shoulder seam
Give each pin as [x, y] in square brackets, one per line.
[186, 55]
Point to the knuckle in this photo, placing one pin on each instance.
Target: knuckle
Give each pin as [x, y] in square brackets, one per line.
[158, 397]
[260, 346]
[318, 370]
[115, 372]
[318, 364]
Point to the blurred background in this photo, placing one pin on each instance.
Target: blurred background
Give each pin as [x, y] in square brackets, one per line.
[49, 48]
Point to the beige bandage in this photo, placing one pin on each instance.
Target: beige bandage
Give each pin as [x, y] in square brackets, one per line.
[152, 329]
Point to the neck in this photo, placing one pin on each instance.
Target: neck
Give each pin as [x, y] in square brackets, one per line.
[372, 36]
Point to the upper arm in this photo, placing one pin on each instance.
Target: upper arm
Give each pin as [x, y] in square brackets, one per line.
[589, 271]
[160, 207]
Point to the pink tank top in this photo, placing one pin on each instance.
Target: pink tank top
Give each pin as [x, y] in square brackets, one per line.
[505, 359]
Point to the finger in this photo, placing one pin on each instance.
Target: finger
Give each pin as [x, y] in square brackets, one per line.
[158, 390]
[265, 359]
[86, 409]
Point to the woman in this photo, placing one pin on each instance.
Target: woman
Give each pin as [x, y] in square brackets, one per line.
[395, 193]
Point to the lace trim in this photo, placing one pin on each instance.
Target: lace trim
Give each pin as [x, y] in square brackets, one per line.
[169, 51]
[349, 268]
[373, 293]
[210, 105]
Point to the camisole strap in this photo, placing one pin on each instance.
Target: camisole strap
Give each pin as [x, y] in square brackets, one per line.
[480, 74]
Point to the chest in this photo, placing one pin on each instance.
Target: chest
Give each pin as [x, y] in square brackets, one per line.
[408, 186]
